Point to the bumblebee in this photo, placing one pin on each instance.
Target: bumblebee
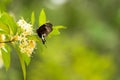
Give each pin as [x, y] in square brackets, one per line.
[44, 30]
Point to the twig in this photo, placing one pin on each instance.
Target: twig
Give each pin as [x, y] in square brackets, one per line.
[7, 41]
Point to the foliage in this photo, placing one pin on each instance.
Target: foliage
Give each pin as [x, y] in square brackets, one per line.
[87, 50]
[19, 36]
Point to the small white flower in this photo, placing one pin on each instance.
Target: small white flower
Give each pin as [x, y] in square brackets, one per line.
[27, 47]
[26, 27]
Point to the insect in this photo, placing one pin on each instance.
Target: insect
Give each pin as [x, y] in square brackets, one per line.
[44, 30]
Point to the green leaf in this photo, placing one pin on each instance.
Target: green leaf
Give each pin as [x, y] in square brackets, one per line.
[22, 65]
[4, 29]
[9, 21]
[6, 56]
[2, 32]
[32, 18]
[33, 37]
[26, 58]
[56, 30]
[42, 17]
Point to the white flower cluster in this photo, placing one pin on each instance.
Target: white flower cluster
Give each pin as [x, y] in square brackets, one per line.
[26, 46]
[26, 27]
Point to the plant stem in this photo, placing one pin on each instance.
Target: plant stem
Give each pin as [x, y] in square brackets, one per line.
[7, 41]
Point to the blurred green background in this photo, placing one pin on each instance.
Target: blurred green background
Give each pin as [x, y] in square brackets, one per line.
[87, 50]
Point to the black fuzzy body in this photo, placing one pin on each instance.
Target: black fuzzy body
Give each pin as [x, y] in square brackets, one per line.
[44, 30]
